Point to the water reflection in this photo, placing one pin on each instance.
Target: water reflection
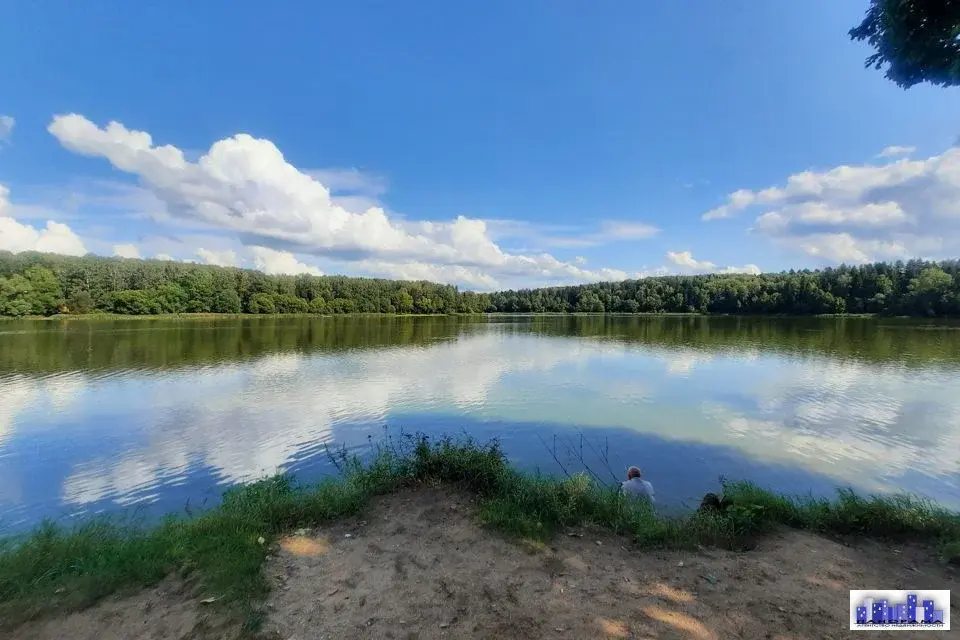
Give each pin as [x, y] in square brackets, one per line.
[245, 421]
[97, 416]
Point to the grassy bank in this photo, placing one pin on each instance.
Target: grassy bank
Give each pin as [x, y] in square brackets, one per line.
[222, 550]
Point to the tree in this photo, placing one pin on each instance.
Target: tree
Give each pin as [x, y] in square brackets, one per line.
[317, 305]
[198, 285]
[135, 302]
[403, 301]
[589, 302]
[80, 302]
[47, 296]
[171, 298]
[16, 296]
[917, 40]
[290, 304]
[342, 305]
[261, 303]
[225, 301]
[930, 291]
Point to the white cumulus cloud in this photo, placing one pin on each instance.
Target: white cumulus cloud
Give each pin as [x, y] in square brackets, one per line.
[688, 264]
[244, 185]
[53, 238]
[225, 258]
[470, 276]
[126, 251]
[907, 208]
[275, 262]
[686, 259]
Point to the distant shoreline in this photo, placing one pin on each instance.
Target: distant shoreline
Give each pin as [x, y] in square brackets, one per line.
[548, 314]
[45, 284]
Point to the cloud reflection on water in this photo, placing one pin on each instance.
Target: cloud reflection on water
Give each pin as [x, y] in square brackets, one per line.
[881, 426]
[250, 419]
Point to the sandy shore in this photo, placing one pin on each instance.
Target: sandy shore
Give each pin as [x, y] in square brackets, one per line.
[417, 566]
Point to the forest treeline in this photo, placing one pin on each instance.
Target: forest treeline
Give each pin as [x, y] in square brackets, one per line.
[46, 284]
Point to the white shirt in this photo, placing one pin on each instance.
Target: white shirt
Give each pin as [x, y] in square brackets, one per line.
[638, 488]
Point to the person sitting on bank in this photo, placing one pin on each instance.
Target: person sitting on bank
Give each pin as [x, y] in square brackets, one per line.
[636, 487]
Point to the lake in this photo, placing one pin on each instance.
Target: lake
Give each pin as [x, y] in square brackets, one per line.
[153, 416]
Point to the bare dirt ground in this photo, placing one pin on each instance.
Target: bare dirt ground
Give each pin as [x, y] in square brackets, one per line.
[166, 612]
[417, 566]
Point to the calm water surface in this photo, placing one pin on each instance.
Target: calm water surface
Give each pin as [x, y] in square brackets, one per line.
[155, 415]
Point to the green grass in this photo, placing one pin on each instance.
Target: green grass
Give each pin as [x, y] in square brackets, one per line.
[221, 552]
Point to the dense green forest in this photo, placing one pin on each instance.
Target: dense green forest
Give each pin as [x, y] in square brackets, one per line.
[45, 284]
[914, 288]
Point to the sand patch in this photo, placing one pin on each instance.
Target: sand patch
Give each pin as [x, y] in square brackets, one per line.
[417, 566]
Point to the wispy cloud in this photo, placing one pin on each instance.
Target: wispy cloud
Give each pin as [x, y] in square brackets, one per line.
[546, 236]
[691, 184]
[6, 127]
[350, 181]
[895, 150]
[352, 189]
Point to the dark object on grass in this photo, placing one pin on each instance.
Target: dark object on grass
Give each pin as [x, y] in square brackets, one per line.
[713, 503]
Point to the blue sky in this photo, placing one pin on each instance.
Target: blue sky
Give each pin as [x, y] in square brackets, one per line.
[490, 144]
